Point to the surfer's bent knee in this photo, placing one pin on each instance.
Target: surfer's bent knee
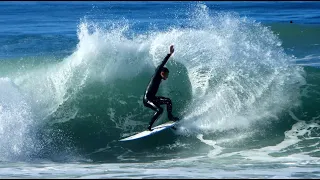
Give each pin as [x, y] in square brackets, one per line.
[160, 110]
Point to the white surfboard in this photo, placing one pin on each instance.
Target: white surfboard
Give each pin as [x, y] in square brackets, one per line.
[148, 133]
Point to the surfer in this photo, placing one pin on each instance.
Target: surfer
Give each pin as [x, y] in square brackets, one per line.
[150, 99]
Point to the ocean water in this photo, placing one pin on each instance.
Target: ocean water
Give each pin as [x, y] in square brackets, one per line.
[244, 80]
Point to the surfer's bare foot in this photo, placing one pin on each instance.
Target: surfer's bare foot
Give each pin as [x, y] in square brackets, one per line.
[172, 118]
[149, 128]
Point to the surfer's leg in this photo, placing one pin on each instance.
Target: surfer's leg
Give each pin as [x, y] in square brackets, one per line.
[163, 100]
[154, 106]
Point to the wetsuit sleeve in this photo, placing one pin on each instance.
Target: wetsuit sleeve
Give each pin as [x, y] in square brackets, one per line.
[164, 61]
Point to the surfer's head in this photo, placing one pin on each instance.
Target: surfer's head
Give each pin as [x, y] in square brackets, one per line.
[164, 73]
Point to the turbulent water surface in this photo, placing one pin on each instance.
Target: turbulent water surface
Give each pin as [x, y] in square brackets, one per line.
[243, 79]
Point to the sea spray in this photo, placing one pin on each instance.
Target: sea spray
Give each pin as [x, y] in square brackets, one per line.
[246, 75]
[16, 122]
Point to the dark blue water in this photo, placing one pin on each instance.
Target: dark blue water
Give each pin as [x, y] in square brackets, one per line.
[55, 23]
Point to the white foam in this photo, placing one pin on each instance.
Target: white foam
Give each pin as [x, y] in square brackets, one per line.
[299, 132]
[217, 149]
[174, 169]
[16, 120]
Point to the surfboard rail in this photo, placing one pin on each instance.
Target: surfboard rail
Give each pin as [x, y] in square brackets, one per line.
[148, 133]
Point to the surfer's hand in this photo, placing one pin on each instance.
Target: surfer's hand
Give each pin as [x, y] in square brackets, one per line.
[171, 49]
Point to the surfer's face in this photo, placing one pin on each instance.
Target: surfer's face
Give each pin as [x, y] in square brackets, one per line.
[164, 75]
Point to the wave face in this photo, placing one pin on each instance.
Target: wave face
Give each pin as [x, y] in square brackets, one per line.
[230, 80]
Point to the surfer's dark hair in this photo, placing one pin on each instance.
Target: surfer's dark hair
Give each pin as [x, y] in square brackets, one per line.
[164, 69]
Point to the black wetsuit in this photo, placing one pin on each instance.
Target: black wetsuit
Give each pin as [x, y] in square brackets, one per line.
[152, 101]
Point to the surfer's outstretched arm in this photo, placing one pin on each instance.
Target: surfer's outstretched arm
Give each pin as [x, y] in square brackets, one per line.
[165, 60]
